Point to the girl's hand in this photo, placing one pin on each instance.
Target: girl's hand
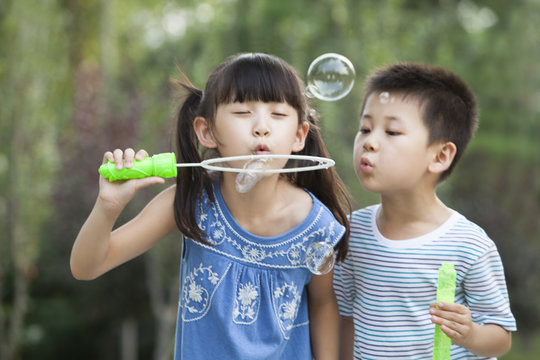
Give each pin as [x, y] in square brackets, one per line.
[455, 321]
[117, 194]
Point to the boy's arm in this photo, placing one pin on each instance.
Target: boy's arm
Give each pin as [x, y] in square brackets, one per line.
[323, 317]
[346, 337]
[488, 340]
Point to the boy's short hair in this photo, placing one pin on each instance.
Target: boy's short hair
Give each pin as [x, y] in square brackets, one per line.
[447, 103]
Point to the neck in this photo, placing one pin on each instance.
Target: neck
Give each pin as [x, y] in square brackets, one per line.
[254, 201]
[272, 207]
[405, 217]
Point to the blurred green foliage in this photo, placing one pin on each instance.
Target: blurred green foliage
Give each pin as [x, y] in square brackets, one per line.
[79, 77]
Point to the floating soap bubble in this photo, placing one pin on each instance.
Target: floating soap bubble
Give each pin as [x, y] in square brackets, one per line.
[384, 97]
[247, 180]
[319, 258]
[330, 77]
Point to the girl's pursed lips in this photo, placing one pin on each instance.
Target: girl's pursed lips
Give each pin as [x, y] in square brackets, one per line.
[261, 149]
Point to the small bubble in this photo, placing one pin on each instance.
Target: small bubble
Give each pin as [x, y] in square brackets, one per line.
[320, 258]
[384, 97]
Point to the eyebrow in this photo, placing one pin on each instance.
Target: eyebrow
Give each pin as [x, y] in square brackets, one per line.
[388, 118]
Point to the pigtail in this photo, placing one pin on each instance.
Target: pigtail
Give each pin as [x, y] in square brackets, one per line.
[190, 181]
[326, 184]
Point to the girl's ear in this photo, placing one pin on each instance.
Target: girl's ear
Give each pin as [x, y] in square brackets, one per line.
[203, 132]
[301, 134]
[443, 157]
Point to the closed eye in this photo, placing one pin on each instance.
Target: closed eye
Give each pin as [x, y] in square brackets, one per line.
[364, 131]
[393, 133]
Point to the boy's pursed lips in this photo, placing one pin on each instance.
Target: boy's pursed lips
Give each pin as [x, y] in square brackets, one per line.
[365, 164]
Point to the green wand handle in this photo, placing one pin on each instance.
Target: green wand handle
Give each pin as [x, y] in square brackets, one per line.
[162, 165]
[446, 290]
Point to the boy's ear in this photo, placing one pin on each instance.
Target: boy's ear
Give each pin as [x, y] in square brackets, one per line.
[443, 157]
[203, 132]
[301, 134]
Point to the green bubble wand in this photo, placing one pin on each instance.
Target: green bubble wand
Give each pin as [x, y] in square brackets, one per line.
[446, 289]
[164, 165]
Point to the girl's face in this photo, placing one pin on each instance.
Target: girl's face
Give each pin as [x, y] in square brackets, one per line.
[256, 127]
[391, 152]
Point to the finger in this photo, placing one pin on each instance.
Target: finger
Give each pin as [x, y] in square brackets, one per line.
[108, 156]
[118, 158]
[458, 308]
[129, 154]
[141, 154]
[454, 329]
[448, 315]
[452, 333]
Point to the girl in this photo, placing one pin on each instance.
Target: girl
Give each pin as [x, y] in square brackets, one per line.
[244, 288]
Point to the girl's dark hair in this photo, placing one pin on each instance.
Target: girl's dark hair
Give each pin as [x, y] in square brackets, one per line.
[241, 78]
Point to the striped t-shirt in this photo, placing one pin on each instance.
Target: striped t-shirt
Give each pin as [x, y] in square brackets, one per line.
[387, 285]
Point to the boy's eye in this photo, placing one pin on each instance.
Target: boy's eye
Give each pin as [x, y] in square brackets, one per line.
[279, 114]
[392, 133]
[364, 131]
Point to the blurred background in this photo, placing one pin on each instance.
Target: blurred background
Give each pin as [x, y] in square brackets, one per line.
[79, 77]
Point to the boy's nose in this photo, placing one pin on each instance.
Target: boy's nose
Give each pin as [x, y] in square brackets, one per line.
[370, 144]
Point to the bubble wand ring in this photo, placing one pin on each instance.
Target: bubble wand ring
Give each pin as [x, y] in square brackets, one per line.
[321, 163]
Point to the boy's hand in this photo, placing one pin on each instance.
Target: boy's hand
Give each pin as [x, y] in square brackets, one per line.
[455, 321]
[117, 194]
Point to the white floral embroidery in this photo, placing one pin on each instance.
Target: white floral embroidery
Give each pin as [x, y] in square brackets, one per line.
[197, 290]
[213, 222]
[289, 310]
[203, 217]
[247, 293]
[217, 233]
[286, 303]
[216, 230]
[246, 303]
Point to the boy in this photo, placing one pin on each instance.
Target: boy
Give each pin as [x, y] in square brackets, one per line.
[415, 123]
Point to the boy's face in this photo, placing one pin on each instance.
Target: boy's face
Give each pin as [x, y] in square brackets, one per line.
[391, 152]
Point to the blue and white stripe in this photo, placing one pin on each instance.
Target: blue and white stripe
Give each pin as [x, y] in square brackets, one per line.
[387, 285]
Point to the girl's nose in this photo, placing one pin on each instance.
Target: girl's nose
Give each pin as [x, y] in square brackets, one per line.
[261, 132]
[261, 128]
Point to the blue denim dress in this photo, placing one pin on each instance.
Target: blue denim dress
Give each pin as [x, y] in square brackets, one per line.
[245, 296]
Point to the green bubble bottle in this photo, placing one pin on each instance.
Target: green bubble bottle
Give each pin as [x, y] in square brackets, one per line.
[446, 289]
[162, 165]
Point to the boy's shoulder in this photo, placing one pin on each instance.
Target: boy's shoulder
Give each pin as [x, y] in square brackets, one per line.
[364, 215]
[458, 226]
[366, 211]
